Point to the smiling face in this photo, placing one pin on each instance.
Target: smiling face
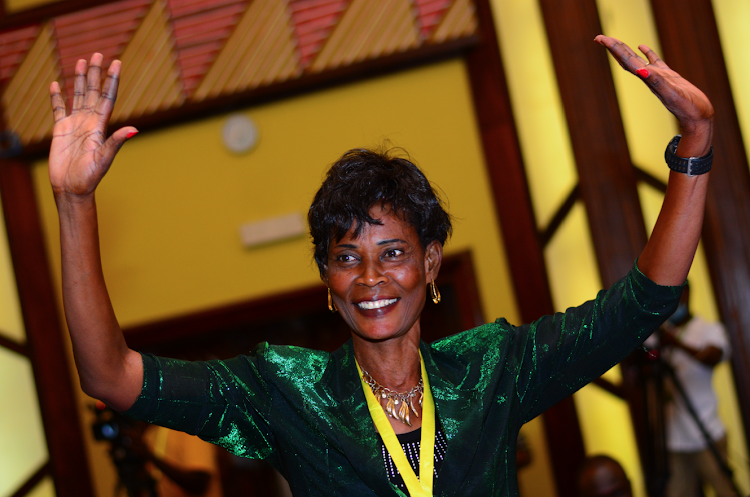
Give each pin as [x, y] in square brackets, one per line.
[379, 279]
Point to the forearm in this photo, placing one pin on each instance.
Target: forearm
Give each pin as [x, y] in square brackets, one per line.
[667, 257]
[708, 355]
[108, 369]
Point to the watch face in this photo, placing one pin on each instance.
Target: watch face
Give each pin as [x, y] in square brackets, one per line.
[240, 134]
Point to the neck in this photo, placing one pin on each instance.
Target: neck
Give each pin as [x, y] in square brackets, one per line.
[394, 364]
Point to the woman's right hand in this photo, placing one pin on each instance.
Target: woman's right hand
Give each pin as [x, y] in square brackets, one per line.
[80, 154]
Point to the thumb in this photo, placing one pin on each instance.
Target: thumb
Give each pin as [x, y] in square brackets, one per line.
[117, 140]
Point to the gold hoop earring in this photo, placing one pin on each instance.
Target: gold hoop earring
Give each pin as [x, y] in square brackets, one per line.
[331, 305]
[434, 292]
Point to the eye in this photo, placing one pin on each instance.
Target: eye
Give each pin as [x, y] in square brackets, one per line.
[393, 253]
[345, 258]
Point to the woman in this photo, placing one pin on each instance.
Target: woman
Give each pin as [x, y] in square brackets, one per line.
[311, 413]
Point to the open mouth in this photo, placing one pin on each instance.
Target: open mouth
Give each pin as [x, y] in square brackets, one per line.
[376, 304]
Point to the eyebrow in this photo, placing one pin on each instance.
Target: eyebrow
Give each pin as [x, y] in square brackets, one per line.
[382, 242]
[392, 240]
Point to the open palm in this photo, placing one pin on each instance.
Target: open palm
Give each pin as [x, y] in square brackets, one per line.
[679, 96]
[81, 153]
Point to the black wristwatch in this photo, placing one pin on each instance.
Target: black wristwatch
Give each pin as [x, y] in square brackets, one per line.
[692, 166]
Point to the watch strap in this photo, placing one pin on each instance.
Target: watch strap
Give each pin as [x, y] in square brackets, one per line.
[692, 166]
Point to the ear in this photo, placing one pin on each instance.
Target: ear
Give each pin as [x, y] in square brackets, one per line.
[433, 257]
[324, 276]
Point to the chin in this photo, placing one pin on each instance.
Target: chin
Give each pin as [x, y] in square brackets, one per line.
[380, 335]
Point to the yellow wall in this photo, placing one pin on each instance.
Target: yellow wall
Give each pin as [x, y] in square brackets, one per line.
[733, 17]
[171, 206]
[23, 448]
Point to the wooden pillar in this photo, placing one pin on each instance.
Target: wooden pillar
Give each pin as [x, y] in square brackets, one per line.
[690, 42]
[606, 176]
[607, 181]
[505, 167]
[45, 344]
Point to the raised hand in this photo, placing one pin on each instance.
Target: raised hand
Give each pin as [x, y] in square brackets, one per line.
[667, 257]
[81, 153]
[80, 156]
[690, 105]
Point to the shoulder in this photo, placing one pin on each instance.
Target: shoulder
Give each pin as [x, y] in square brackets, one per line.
[289, 359]
[476, 339]
[282, 360]
[278, 372]
[473, 351]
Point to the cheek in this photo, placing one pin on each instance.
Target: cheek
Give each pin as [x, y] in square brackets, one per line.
[410, 277]
[339, 283]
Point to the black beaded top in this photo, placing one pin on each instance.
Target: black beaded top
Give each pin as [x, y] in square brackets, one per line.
[411, 443]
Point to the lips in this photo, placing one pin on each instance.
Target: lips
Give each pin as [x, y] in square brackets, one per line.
[376, 304]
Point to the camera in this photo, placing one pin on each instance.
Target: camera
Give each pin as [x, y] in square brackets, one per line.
[108, 424]
[119, 430]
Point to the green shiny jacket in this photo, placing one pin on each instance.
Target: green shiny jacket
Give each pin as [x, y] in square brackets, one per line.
[305, 411]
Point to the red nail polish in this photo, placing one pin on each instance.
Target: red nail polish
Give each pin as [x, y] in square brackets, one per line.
[642, 72]
[131, 135]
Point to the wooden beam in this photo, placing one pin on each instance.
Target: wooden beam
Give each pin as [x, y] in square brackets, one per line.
[13, 345]
[606, 176]
[42, 13]
[615, 389]
[545, 235]
[45, 343]
[502, 153]
[690, 42]
[32, 481]
[650, 179]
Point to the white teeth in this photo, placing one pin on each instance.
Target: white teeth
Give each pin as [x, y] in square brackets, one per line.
[376, 304]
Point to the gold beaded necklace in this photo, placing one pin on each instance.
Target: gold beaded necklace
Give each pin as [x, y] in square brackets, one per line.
[405, 399]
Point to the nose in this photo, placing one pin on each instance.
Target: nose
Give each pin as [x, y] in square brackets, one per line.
[372, 272]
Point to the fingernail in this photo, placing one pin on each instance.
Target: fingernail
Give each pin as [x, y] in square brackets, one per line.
[642, 72]
[131, 135]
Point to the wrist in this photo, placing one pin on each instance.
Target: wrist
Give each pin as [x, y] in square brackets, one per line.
[70, 201]
[696, 138]
[75, 210]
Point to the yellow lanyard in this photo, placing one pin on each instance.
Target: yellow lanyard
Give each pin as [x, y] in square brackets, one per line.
[417, 487]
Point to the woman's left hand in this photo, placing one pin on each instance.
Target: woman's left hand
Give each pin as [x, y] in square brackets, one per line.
[667, 257]
[690, 105]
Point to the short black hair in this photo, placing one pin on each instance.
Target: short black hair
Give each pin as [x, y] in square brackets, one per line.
[363, 178]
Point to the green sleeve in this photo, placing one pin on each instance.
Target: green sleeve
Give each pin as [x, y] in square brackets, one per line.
[223, 402]
[557, 355]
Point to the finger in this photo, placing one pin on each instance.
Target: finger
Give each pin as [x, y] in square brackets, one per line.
[109, 91]
[79, 85]
[57, 101]
[622, 53]
[113, 144]
[93, 81]
[652, 57]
